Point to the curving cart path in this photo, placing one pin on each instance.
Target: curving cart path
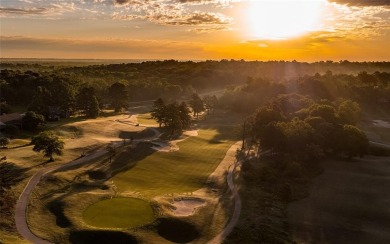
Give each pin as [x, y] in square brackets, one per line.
[22, 202]
[237, 208]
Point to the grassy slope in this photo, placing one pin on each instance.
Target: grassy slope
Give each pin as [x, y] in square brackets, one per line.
[182, 171]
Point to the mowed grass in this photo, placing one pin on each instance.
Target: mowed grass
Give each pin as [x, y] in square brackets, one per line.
[119, 212]
[145, 119]
[182, 171]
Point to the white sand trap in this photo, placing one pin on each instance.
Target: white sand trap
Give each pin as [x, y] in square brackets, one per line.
[172, 145]
[191, 133]
[381, 123]
[164, 147]
[186, 206]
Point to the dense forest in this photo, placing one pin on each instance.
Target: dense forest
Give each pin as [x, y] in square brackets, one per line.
[26, 84]
[293, 115]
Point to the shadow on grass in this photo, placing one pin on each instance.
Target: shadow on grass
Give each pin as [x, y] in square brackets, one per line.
[136, 134]
[11, 174]
[224, 132]
[176, 230]
[97, 237]
[25, 145]
[129, 157]
[56, 207]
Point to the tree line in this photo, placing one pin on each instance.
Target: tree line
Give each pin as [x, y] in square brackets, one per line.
[303, 129]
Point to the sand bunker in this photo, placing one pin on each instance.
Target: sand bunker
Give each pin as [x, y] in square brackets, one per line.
[381, 123]
[191, 133]
[172, 145]
[186, 206]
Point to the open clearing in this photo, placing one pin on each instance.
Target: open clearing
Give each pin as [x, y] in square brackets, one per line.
[119, 213]
[348, 203]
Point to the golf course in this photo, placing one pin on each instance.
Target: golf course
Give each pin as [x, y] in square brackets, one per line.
[138, 189]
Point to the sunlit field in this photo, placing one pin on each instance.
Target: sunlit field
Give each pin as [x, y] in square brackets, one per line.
[119, 213]
[183, 171]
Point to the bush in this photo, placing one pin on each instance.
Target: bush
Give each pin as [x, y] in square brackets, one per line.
[4, 141]
[32, 120]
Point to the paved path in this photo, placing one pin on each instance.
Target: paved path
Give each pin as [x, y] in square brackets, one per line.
[22, 202]
[236, 212]
[380, 144]
[237, 201]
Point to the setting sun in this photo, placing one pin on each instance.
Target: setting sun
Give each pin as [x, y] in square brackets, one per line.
[283, 19]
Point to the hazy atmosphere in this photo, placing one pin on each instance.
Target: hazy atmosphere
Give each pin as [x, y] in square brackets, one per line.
[306, 30]
[194, 121]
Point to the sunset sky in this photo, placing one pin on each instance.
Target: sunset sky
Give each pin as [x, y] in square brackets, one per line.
[304, 30]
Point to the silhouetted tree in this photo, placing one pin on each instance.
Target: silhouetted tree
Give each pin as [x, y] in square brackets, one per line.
[118, 95]
[4, 141]
[32, 120]
[353, 141]
[196, 104]
[349, 112]
[210, 102]
[88, 102]
[159, 111]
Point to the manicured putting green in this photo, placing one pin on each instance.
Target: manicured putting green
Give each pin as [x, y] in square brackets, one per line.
[121, 212]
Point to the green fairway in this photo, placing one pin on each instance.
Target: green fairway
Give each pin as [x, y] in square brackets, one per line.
[119, 213]
[145, 119]
[181, 171]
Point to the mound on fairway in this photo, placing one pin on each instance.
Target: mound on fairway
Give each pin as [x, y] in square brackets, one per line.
[121, 212]
[185, 170]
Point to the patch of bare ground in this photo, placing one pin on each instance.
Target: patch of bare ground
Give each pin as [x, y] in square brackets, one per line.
[348, 203]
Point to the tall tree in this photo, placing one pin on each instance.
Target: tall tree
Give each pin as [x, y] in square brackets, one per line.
[184, 114]
[118, 95]
[349, 112]
[196, 104]
[40, 101]
[48, 143]
[210, 102]
[159, 111]
[173, 121]
[354, 141]
[32, 120]
[88, 102]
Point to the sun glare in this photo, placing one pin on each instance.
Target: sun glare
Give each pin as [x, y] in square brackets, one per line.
[281, 19]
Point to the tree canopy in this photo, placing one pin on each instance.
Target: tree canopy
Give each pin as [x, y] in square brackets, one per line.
[48, 143]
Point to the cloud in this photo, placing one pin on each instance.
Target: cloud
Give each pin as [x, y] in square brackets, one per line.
[209, 29]
[196, 18]
[364, 2]
[21, 46]
[50, 9]
[24, 11]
